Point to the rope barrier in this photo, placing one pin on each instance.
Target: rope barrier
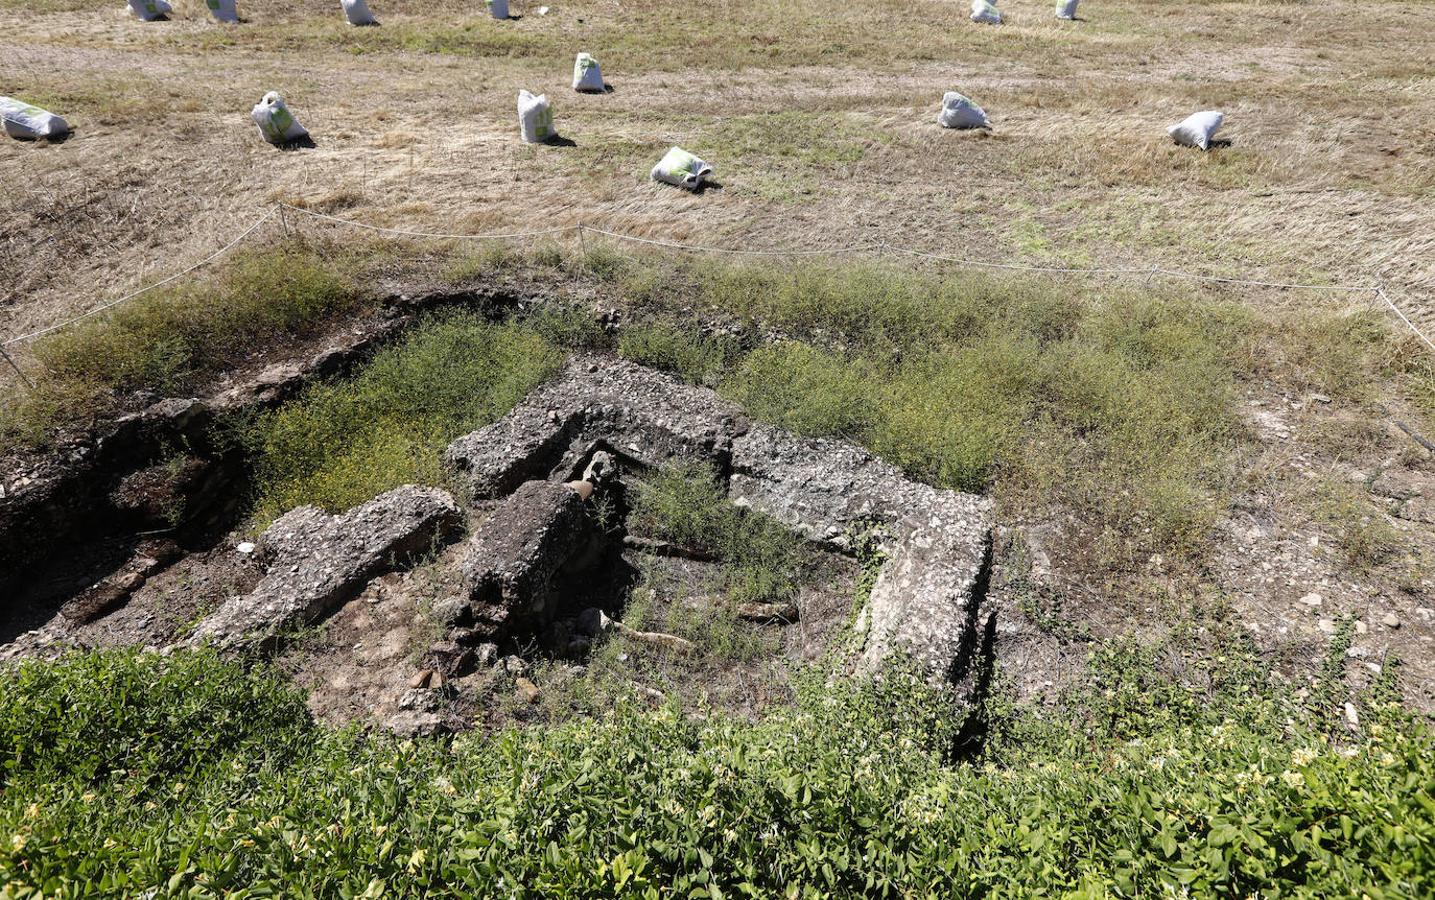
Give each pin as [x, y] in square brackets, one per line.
[700, 248]
[1019, 267]
[426, 234]
[1146, 273]
[144, 290]
[1270, 284]
[1380, 292]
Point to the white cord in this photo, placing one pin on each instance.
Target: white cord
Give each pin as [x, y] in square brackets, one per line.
[99, 309]
[699, 248]
[1380, 292]
[427, 234]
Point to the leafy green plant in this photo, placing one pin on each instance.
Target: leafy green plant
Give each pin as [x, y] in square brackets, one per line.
[344, 442]
[126, 773]
[677, 349]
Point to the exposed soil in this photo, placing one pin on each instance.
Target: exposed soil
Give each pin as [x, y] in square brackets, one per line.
[1288, 563]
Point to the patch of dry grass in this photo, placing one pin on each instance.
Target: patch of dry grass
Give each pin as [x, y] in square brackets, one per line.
[819, 121]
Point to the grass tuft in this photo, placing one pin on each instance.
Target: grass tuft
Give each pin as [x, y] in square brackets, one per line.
[682, 503]
[173, 338]
[342, 443]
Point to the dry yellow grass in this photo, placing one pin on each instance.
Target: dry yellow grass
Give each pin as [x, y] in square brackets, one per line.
[818, 117]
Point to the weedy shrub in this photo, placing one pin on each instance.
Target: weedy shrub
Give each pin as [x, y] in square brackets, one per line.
[192, 776]
[342, 443]
[1361, 530]
[683, 503]
[488, 259]
[1121, 409]
[808, 390]
[666, 346]
[173, 337]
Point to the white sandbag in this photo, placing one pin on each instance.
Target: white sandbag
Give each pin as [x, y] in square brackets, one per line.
[275, 122]
[681, 168]
[587, 77]
[984, 12]
[535, 117]
[959, 111]
[1066, 9]
[30, 122]
[498, 8]
[1197, 129]
[357, 12]
[223, 11]
[149, 10]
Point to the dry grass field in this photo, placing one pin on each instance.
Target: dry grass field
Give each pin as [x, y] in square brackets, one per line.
[819, 119]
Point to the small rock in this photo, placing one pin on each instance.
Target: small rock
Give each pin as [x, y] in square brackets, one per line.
[1361, 627]
[526, 689]
[768, 613]
[245, 548]
[1320, 398]
[418, 723]
[514, 665]
[1312, 600]
[1352, 717]
[452, 611]
[484, 655]
[422, 679]
[466, 637]
[448, 658]
[162, 550]
[1327, 625]
[1390, 621]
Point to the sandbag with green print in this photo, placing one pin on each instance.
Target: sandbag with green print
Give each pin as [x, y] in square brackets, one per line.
[535, 118]
[681, 168]
[275, 122]
[30, 122]
[587, 77]
[149, 10]
[223, 11]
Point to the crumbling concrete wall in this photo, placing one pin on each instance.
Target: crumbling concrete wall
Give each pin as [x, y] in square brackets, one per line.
[640, 413]
[511, 559]
[925, 600]
[318, 561]
[938, 542]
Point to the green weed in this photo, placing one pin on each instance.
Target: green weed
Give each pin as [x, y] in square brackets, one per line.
[126, 773]
[343, 443]
[173, 338]
[682, 503]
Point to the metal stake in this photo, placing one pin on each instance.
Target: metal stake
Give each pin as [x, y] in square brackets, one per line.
[9, 359]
